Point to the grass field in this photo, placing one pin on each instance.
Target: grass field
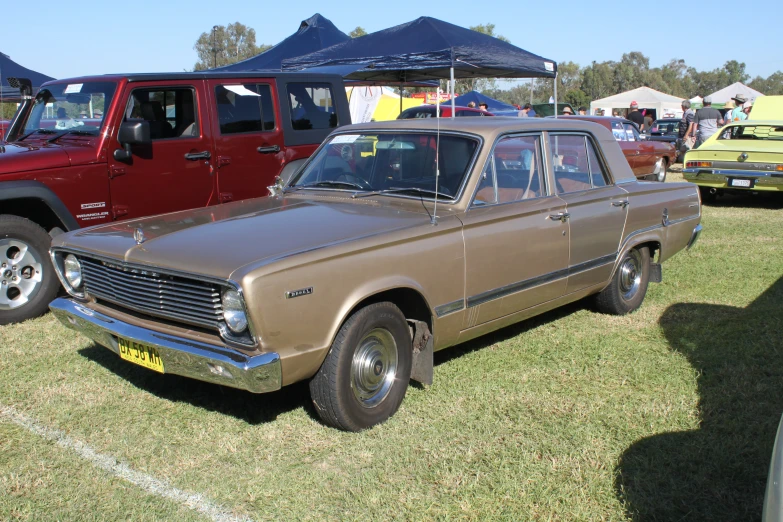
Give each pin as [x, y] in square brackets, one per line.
[666, 414]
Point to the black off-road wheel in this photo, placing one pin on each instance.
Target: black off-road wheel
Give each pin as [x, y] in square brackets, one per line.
[27, 279]
[367, 371]
[629, 284]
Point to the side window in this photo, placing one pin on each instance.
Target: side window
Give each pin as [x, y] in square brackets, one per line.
[468, 113]
[597, 173]
[631, 133]
[312, 106]
[618, 132]
[171, 112]
[569, 160]
[245, 108]
[517, 161]
[485, 194]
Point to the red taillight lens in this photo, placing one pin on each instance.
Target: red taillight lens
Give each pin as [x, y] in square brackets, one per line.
[699, 164]
[779, 168]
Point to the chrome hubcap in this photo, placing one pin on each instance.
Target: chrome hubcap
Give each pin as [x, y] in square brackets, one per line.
[21, 273]
[631, 274]
[374, 367]
[662, 173]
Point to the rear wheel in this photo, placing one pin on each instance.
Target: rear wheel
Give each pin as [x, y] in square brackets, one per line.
[662, 173]
[629, 284]
[27, 279]
[366, 373]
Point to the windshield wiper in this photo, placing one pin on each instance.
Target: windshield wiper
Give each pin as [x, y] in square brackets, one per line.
[415, 190]
[325, 183]
[69, 131]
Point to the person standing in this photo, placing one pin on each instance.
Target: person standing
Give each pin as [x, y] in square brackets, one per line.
[727, 110]
[706, 122]
[648, 120]
[738, 113]
[636, 116]
[483, 106]
[686, 125]
[527, 112]
[582, 111]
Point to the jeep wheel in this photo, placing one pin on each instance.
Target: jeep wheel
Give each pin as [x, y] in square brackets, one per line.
[366, 373]
[27, 279]
[629, 284]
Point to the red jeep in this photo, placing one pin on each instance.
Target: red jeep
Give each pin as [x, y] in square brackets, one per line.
[90, 150]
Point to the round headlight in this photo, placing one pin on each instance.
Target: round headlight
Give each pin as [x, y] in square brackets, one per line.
[73, 271]
[234, 311]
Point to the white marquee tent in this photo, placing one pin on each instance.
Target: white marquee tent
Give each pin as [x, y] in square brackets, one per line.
[665, 105]
[727, 93]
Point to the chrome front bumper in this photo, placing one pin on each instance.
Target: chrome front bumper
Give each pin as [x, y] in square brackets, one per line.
[194, 359]
[694, 236]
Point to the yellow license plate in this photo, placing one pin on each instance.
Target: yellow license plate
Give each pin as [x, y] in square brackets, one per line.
[140, 354]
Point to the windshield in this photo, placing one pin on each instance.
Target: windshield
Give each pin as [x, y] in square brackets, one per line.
[76, 106]
[403, 162]
[666, 127]
[753, 132]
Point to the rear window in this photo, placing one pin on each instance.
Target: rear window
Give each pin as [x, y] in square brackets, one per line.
[245, 108]
[753, 132]
[312, 106]
[665, 127]
[417, 112]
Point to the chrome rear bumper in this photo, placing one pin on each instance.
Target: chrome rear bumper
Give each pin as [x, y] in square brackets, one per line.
[194, 359]
[694, 236]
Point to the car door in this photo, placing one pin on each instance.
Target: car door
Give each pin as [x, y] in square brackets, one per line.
[248, 138]
[596, 209]
[516, 245]
[628, 147]
[173, 172]
[645, 151]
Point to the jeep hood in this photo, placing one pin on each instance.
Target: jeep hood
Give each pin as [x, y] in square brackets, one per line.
[216, 241]
[28, 157]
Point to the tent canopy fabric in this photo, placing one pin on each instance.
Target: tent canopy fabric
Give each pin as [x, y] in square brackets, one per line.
[727, 93]
[493, 105]
[314, 34]
[426, 49]
[647, 98]
[11, 69]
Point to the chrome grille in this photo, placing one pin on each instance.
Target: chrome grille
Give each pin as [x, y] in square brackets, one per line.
[144, 290]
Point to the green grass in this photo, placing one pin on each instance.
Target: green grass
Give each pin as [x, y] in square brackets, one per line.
[665, 414]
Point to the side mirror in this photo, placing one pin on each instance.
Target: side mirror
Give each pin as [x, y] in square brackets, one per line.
[131, 133]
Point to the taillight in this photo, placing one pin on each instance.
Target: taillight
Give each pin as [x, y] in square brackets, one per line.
[779, 168]
[699, 164]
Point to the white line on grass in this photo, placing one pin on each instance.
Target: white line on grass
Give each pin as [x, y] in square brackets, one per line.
[110, 464]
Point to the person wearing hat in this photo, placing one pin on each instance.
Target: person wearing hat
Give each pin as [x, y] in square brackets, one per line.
[636, 116]
[582, 111]
[706, 122]
[567, 111]
[727, 111]
[737, 114]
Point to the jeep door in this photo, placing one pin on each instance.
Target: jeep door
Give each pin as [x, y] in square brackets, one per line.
[595, 208]
[516, 241]
[174, 172]
[248, 138]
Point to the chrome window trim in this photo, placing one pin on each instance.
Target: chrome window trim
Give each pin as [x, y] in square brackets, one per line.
[543, 165]
[450, 308]
[599, 155]
[457, 198]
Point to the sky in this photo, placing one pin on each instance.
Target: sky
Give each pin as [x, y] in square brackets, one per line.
[84, 38]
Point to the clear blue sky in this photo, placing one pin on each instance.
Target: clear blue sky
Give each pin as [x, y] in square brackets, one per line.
[74, 39]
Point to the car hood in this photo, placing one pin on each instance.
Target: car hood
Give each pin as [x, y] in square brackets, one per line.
[17, 157]
[216, 241]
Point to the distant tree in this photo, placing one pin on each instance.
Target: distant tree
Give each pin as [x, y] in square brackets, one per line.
[226, 45]
[773, 85]
[356, 33]
[736, 71]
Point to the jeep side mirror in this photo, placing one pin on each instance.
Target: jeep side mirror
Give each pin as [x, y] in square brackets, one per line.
[131, 133]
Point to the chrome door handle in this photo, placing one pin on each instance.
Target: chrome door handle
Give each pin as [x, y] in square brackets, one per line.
[195, 156]
[561, 216]
[622, 203]
[269, 150]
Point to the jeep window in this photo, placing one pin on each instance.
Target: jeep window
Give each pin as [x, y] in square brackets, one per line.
[398, 162]
[245, 108]
[78, 106]
[312, 106]
[753, 132]
[171, 112]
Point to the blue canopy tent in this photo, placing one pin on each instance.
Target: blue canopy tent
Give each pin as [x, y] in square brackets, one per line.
[493, 105]
[314, 34]
[428, 49]
[11, 69]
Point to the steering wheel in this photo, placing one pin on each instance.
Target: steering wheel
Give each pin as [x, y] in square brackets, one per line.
[355, 179]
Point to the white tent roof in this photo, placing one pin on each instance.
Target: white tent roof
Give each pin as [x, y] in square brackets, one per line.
[646, 98]
[727, 93]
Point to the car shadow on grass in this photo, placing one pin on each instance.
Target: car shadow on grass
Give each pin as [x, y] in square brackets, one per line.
[762, 200]
[249, 407]
[719, 471]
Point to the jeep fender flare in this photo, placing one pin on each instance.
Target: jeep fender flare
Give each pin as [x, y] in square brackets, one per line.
[30, 189]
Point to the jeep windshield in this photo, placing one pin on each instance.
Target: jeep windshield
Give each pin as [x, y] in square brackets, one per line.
[75, 107]
[393, 163]
[753, 132]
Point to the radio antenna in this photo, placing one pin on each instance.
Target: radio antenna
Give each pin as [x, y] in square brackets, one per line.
[434, 217]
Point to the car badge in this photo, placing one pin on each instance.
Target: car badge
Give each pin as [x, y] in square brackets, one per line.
[743, 156]
[298, 293]
[138, 235]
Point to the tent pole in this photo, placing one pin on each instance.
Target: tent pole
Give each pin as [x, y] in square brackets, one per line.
[531, 90]
[400, 97]
[555, 80]
[453, 87]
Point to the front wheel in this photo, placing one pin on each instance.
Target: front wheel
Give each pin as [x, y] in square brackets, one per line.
[629, 284]
[662, 173]
[366, 373]
[27, 279]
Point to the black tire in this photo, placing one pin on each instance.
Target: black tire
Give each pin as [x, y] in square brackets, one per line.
[19, 303]
[629, 284]
[346, 397]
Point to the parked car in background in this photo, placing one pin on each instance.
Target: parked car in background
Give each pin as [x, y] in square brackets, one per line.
[648, 159]
[98, 149]
[548, 109]
[526, 215]
[666, 130]
[428, 111]
[741, 157]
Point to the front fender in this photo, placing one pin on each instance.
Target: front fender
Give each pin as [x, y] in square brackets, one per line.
[30, 189]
